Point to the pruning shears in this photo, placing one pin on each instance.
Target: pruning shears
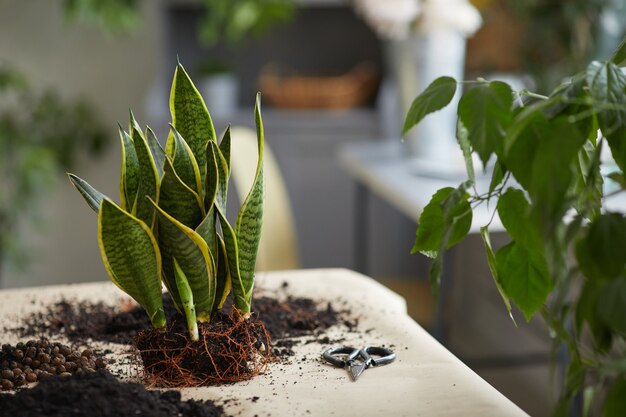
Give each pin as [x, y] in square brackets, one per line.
[358, 360]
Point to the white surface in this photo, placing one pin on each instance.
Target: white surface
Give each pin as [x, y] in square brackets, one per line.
[386, 169]
[424, 380]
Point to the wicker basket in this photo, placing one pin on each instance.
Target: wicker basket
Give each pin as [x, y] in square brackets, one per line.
[352, 89]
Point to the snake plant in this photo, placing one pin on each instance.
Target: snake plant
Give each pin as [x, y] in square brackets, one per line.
[165, 228]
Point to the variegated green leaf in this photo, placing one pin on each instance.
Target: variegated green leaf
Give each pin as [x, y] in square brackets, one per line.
[248, 226]
[92, 196]
[131, 257]
[158, 154]
[129, 176]
[184, 162]
[224, 282]
[240, 291]
[191, 117]
[223, 174]
[225, 147]
[178, 200]
[186, 299]
[192, 253]
[208, 231]
[148, 177]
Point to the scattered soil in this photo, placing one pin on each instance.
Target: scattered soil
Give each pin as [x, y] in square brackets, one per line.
[101, 395]
[230, 349]
[284, 320]
[38, 359]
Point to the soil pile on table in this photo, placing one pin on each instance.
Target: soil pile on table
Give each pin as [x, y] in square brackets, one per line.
[101, 395]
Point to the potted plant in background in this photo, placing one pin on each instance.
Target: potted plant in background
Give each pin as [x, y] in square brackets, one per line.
[565, 260]
[165, 230]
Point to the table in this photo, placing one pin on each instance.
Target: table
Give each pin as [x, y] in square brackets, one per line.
[426, 379]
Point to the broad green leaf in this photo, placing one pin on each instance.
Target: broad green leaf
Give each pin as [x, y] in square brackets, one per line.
[612, 309]
[466, 148]
[602, 253]
[184, 162]
[434, 220]
[92, 196]
[614, 404]
[607, 85]
[129, 176]
[158, 154]
[148, 178]
[486, 112]
[552, 178]
[588, 180]
[178, 200]
[131, 257]
[435, 97]
[514, 210]
[186, 299]
[524, 277]
[224, 283]
[179, 242]
[521, 146]
[587, 312]
[617, 142]
[249, 223]
[191, 117]
[493, 267]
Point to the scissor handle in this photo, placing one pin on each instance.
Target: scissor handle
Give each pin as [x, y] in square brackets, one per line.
[384, 355]
[329, 355]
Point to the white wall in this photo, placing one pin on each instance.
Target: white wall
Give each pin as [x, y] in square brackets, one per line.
[115, 73]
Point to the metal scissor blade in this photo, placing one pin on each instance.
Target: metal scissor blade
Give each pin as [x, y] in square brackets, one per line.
[356, 370]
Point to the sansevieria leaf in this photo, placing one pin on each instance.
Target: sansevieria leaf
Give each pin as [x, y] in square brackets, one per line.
[191, 117]
[148, 178]
[178, 200]
[186, 299]
[92, 196]
[184, 162]
[192, 253]
[129, 176]
[131, 257]
[158, 154]
[224, 282]
[248, 226]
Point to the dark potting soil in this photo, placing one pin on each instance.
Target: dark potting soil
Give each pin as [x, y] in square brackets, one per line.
[99, 394]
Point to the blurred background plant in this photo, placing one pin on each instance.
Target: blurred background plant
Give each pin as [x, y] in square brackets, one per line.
[228, 21]
[41, 136]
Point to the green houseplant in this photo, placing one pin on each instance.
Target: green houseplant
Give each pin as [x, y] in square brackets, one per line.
[165, 228]
[566, 258]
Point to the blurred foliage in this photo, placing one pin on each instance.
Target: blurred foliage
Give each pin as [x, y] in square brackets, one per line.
[114, 15]
[561, 36]
[228, 21]
[40, 138]
[231, 21]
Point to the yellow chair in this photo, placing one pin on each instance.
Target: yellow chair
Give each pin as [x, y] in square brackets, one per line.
[278, 248]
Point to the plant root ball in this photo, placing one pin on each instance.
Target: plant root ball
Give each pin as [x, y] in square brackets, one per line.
[230, 349]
